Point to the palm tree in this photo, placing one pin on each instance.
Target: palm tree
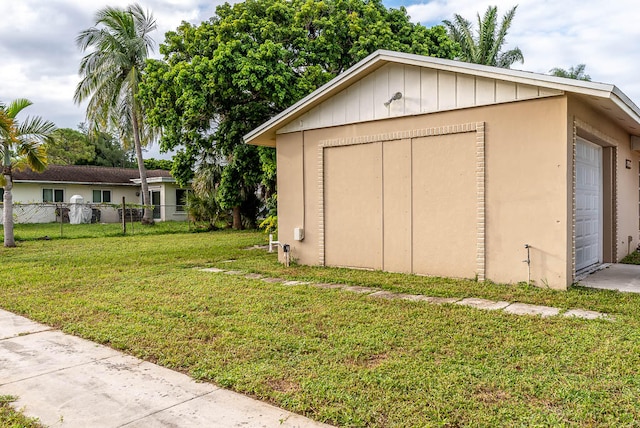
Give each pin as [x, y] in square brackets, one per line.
[485, 46]
[576, 72]
[21, 144]
[111, 76]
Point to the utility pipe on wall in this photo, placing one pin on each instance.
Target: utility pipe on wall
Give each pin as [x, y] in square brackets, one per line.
[528, 262]
[286, 248]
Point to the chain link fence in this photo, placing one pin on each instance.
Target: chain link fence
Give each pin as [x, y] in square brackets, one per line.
[65, 213]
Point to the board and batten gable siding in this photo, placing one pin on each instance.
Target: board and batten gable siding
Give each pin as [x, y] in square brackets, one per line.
[424, 90]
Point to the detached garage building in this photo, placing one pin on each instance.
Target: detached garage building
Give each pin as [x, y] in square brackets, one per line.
[415, 164]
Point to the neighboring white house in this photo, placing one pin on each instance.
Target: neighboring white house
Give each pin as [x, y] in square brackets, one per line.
[38, 196]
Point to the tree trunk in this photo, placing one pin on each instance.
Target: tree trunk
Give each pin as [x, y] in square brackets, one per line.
[237, 218]
[147, 217]
[7, 212]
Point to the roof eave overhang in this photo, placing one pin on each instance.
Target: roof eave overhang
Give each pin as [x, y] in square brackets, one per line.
[154, 180]
[265, 134]
[82, 183]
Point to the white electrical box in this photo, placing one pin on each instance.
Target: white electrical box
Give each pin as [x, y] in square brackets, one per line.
[298, 234]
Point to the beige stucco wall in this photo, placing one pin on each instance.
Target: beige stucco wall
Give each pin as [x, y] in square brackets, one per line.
[527, 184]
[605, 132]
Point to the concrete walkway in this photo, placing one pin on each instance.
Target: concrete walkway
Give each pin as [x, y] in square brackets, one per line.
[617, 276]
[66, 381]
[484, 304]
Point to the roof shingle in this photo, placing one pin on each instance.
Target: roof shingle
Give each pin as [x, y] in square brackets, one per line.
[85, 174]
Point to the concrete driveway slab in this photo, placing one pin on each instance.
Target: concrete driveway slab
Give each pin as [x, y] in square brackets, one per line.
[618, 277]
[12, 325]
[45, 352]
[66, 381]
[103, 393]
[206, 411]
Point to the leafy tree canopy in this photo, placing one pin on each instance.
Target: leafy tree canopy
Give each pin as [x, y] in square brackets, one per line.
[108, 150]
[253, 59]
[577, 72]
[69, 147]
[152, 163]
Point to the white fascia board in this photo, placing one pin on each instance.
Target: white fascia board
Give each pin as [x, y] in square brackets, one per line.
[155, 180]
[625, 104]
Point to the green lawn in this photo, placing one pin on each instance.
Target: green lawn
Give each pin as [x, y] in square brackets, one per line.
[335, 356]
[12, 418]
[47, 231]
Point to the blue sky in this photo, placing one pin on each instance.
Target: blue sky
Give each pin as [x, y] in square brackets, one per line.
[39, 60]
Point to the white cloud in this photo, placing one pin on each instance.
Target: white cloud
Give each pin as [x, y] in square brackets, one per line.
[552, 33]
[40, 59]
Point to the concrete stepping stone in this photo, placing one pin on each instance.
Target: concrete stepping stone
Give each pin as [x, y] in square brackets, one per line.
[413, 297]
[399, 296]
[473, 302]
[485, 304]
[359, 289]
[295, 283]
[328, 285]
[383, 295]
[441, 300]
[583, 313]
[526, 309]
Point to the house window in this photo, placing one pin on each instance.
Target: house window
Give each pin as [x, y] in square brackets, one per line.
[52, 195]
[1, 195]
[181, 199]
[101, 196]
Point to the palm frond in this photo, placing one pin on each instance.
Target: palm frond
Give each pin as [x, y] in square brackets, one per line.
[16, 106]
[485, 47]
[34, 155]
[37, 129]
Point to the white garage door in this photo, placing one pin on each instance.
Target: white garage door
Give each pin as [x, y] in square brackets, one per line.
[588, 204]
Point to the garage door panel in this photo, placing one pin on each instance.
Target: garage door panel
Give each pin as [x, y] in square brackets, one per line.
[397, 205]
[588, 222]
[445, 205]
[353, 205]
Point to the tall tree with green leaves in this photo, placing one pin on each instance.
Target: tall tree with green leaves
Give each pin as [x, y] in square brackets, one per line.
[21, 144]
[69, 147]
[483, 45]
[120, 43]
[250, 61]
[577, 72]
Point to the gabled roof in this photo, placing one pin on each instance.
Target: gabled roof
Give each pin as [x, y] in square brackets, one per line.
[81, 174]
[605, 98]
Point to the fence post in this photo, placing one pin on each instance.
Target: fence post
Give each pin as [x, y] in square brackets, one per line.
[61, 212]
[124, 217]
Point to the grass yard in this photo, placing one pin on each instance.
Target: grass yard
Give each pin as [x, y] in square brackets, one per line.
[335, 356]
[47, 231]
[12, 418]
